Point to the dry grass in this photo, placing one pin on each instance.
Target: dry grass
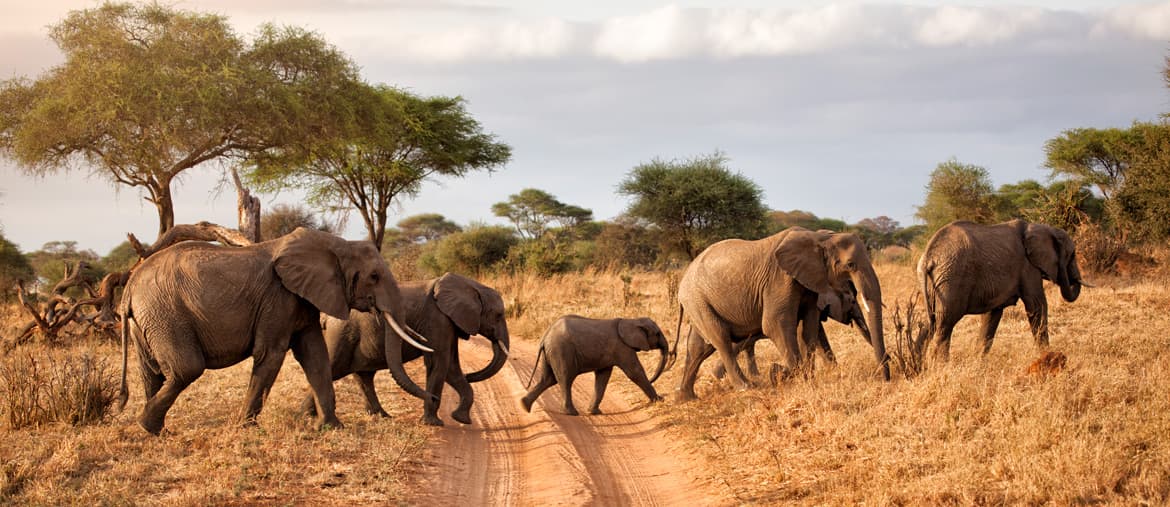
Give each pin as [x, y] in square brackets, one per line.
[40, 385]
[974, 431]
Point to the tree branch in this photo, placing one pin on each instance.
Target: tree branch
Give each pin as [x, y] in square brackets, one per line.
[202, 231]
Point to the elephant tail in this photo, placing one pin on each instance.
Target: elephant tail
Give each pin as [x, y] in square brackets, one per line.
[536, 364]
[929, 290]
[677, 333]
[123, 390]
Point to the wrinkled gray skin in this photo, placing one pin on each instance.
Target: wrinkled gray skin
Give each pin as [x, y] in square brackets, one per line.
[197, 306]
[842, 308]
[445, 310]
[738, 288]
[969, 268]
[574, 345]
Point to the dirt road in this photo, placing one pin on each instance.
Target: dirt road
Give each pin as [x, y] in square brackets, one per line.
[510, 457]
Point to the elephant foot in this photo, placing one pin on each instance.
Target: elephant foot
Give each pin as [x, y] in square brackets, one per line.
[462, 415]
[719, 372]
[656, 398]
[381, 413]
[684, 396]
[331, 424]
[571, 411]
[431, 420]
[526, 403]
[595, 411]
[152, 427]
[309, 408]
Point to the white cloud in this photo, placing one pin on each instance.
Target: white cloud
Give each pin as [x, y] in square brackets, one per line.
[672, 32]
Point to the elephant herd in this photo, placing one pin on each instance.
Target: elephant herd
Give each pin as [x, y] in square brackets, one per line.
[336, 305]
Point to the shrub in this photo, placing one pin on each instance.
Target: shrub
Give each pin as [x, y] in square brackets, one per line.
[1097, 250]
[73, 388]
[478, 249]
[910, 333]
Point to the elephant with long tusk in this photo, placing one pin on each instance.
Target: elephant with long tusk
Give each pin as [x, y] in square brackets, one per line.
[446, 309]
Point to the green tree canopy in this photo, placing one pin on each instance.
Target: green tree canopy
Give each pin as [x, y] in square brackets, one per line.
[478, 249]
[1098, 157]
[695, 202]
[426, 227]
[780, 220]
[13, 266]
[49, 263]
[386, 145]
[120, 258]
[957, 191]
[532, 211]
[1143, 201]
[148, 92]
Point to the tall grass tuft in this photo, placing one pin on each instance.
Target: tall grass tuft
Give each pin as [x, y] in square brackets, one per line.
[73, 388]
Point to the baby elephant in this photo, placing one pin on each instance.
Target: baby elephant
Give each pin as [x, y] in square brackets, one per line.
[574, 345]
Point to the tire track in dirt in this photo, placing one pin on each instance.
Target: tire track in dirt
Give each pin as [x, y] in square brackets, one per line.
[510, 457]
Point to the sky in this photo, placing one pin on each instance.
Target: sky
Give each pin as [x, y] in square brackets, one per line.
[839, 108]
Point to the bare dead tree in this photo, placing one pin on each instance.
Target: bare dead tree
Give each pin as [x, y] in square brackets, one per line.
[248, 208]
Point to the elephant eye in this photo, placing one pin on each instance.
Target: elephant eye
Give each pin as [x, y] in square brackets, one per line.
[851, 266]
[374, 277]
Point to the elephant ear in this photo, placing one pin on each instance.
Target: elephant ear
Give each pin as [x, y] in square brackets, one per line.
[1041, 249]
[634, 334]
[801, 255]
[307, 266]
[459, 300]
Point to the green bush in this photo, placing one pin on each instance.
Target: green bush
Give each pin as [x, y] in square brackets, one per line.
[478, 249]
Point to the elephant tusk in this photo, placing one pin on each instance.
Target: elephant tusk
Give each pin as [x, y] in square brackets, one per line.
[417, 335]
[1087, 284]
[405, 336]
[504, 348]
[864, 305]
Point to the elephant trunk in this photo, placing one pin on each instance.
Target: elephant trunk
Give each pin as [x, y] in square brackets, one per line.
[665, 349]
[499, 357]
[870, 298]
[394, 361]
[1070, 282]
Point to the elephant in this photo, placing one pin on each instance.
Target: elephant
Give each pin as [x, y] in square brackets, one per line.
[842, 308]
[573, 345]
[196, 306]
[968, 268]
[444, 309]
[738, 288]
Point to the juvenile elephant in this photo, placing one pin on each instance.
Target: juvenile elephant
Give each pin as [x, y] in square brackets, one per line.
[197, 306]
[969, 268]
[842, 308]
[738, 288]
[574, 345]
[445, 309]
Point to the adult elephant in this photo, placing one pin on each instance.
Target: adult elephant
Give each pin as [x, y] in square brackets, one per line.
[445, 309]
[739, 288]
[968, 268]
[197, 306]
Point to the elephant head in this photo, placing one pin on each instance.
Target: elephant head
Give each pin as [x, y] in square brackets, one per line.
[335, 275]
[836, 263]
[643, 334]
[1051, 251]
[475, 309]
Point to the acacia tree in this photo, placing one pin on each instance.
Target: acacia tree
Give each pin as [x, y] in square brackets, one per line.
[957, 191]
[532, 211]
[426, 227]
[148, 92]
[695, 202]
[1098, 157]
[388, 142]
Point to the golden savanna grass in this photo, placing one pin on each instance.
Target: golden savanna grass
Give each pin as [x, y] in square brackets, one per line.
[974, 431]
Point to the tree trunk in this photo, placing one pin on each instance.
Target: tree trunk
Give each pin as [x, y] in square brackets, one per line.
[248, 209]
[166, 207]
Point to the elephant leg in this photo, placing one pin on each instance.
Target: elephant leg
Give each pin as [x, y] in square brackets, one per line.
[782, 331]
[309, 350]
[823, 347]
[1036, 306]
[942, 338]
[698, 350]
[634, 370]
[739, 347]
[716, 332]
[565, 380]
[810, 327]
[365, 381]
[436, 374]
[600, 381]
[177, 378]
[458, 381]
[151, 381]
[547, 380]
[990, 324]
[341, 365]
[749, 347]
